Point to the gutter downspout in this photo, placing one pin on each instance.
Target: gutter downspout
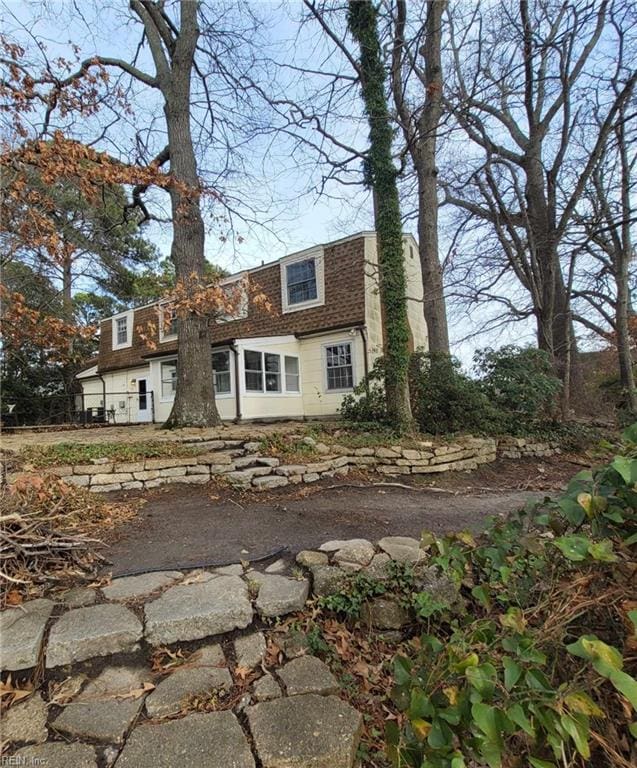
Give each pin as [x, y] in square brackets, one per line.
[103, 395]
[237, 391]
[363, 332]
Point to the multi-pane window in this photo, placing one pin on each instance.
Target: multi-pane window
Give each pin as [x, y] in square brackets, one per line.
[121, 325]
[272, 372]
[340, 371]
[263, 372]
[221, 372]
[253, 362]
[301, 281]
[171, 326]
[292, 374]
[168, 380]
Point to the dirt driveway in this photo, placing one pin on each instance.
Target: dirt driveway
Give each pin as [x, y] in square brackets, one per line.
[190, 525]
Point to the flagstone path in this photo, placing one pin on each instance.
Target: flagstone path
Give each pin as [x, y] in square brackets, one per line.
[106, 704]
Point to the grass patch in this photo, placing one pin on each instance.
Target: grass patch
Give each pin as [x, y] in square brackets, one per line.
[42, 456]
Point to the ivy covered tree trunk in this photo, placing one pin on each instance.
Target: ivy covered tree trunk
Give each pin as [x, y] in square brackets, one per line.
[362, 23]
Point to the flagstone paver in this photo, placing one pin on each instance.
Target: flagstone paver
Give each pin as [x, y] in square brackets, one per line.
[307, 674]
[106, 707]
[250, 649]
[22, 630]
[279, 595]
[98, 630]
[26, 721]
[302, 731]
[209, 674]
[212, 740]
[266, 688]
[80, 597]
[403, 549]
[57, 755]
[193, 611]
[129, 587]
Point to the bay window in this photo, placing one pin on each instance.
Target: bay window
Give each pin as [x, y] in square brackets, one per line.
[264, 372]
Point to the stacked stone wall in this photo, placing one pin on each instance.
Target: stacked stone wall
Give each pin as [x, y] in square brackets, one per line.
[239, 462]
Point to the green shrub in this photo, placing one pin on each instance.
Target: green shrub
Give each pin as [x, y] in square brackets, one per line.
[366, 403]
[445, 400]
[521, 679]
[518, 381]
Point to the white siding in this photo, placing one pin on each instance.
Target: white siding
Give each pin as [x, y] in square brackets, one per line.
[317, 400]
[415, 314]
[271, 405]
[373, 314]
[121, 393]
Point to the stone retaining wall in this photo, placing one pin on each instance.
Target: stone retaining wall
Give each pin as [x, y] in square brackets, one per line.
[239, 463]
[524, 447]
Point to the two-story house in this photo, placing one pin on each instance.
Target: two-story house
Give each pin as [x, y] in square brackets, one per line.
[294, 355]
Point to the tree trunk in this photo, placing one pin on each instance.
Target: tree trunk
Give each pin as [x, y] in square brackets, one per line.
[623, 256]
[624, 355]
[425, 154]
[194, 404]
[362, 23]
[434, 306]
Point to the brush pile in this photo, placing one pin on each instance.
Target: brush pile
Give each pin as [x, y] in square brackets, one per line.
[48, 534]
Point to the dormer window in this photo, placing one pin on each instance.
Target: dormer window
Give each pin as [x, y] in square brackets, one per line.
[302, 284]
[168, 324]
[122, 330]
[301, 281]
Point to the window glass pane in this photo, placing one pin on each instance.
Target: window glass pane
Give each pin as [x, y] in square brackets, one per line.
[171, 329]
[254, 382]
[301, 281]
[168, 379]
[221, 371]
[272, 363]
[252, 361]
[122, 330]
[221, 361]
[272, 372]
[340, 374]
[222, 383]
[292, 374]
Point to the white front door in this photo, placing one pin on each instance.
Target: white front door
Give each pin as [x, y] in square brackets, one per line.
[144, 401]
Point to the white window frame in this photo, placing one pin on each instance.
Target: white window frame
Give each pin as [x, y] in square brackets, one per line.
[163, 336]
[230, 372]
[164, 398]
[297, 374]
[129, 329]
[319, 262]
[283, 391]
[328, 389]
[241, 311]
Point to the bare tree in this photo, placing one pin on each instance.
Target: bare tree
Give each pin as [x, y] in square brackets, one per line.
[186, 62]
[522, 73]
[419, 120]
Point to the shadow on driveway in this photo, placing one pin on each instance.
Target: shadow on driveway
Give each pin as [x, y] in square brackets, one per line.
[181, 526]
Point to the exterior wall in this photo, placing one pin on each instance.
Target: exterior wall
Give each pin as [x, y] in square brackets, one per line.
[121, 393]
[373, 309]
[317, 401]
[270, 405]
[415, 290]
[344, 305]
